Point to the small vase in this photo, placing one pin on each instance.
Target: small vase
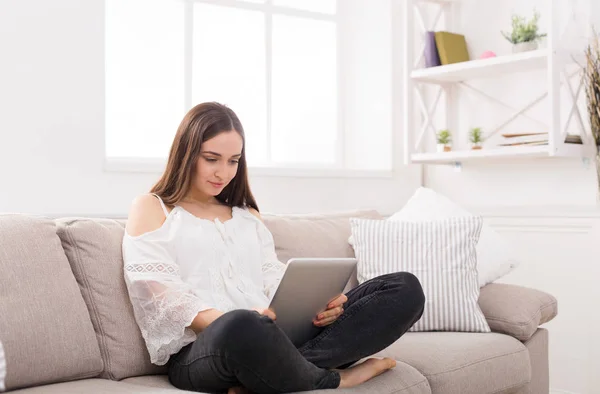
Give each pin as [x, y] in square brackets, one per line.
[443, 148]
[525, 46]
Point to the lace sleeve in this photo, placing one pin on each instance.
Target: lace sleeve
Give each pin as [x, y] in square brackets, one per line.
[272, 268]
[164, 305]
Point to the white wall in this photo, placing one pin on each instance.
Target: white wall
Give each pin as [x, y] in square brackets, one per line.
[52, 123]
[557, 254]
[366, 38]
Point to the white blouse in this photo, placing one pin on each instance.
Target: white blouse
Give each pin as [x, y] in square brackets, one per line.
[189, 265]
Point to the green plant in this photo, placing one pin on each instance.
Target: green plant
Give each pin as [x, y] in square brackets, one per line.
[476, 135]
[523, 30]
[444, 137]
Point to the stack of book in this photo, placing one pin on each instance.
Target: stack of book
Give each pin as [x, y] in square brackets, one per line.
[532, 139]
[524, 139]
[573, 139]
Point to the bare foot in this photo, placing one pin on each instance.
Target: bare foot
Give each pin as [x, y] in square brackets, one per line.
[362, 372]
[238, 390]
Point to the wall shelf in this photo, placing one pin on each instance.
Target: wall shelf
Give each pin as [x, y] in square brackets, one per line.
[483, 68]
[425, 87]
[539, 151]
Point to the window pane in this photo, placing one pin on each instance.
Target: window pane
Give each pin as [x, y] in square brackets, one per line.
[304, 120]
[229, 67]
[325, 6]
[144, 76]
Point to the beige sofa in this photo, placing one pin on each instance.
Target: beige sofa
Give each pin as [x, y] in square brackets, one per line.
[66, 325]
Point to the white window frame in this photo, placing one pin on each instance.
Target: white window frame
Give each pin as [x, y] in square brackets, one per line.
[338, 169]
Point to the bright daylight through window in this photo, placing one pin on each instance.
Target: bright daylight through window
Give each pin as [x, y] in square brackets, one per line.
[274, 64]
[310, 79]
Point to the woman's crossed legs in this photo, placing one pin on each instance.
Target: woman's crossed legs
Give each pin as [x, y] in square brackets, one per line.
[243, 348]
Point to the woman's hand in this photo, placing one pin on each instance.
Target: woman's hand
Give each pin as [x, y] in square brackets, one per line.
[334, 310]
[266, 312]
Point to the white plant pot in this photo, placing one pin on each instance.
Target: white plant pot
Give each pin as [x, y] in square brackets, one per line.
[525, 46]
[443, 148]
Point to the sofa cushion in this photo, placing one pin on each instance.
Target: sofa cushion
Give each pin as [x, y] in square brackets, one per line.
[440, 253]
[159, 381]
[94, 249]
[313, 235]
[45, 328]
[516, 310]
[98, 386]
[465, 363]
[403, 379]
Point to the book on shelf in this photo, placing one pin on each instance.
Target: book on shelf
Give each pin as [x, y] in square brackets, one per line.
[533, 139]
[525, 143]
[514, 135]
[451, 47]
[432, 57]
[573, 139]
[524, 139]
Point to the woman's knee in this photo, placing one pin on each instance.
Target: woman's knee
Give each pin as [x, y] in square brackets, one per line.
[409, 287]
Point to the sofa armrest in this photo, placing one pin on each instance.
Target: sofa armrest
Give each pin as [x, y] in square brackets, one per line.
[516, 310]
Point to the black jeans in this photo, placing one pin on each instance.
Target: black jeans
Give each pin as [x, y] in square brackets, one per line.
[243, 348]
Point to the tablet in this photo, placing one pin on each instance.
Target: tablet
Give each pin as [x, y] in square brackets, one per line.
[308, 285]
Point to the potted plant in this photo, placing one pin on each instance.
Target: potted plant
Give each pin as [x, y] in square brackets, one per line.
[476, 137]
[443, 141]
[524, 35]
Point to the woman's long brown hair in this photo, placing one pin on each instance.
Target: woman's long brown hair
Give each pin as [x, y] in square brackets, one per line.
[202, 123]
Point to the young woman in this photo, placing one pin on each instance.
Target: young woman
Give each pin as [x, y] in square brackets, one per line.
[200, 266]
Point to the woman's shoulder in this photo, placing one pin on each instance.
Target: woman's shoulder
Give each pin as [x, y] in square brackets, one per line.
[255, 213]
[145, 215]
[249, 213]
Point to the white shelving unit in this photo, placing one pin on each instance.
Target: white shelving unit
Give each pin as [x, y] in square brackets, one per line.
[446, 78]
[454, 157]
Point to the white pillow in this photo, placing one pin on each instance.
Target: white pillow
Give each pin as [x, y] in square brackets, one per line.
[2, 368]
[494, 255]
[440, 253]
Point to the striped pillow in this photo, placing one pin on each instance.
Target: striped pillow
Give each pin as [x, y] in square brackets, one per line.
[440, 253]
[2, 368]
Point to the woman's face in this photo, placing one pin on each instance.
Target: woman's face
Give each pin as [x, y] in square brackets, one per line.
[218, 162]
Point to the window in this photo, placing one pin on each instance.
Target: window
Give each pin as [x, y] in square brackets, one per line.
[276, 63]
